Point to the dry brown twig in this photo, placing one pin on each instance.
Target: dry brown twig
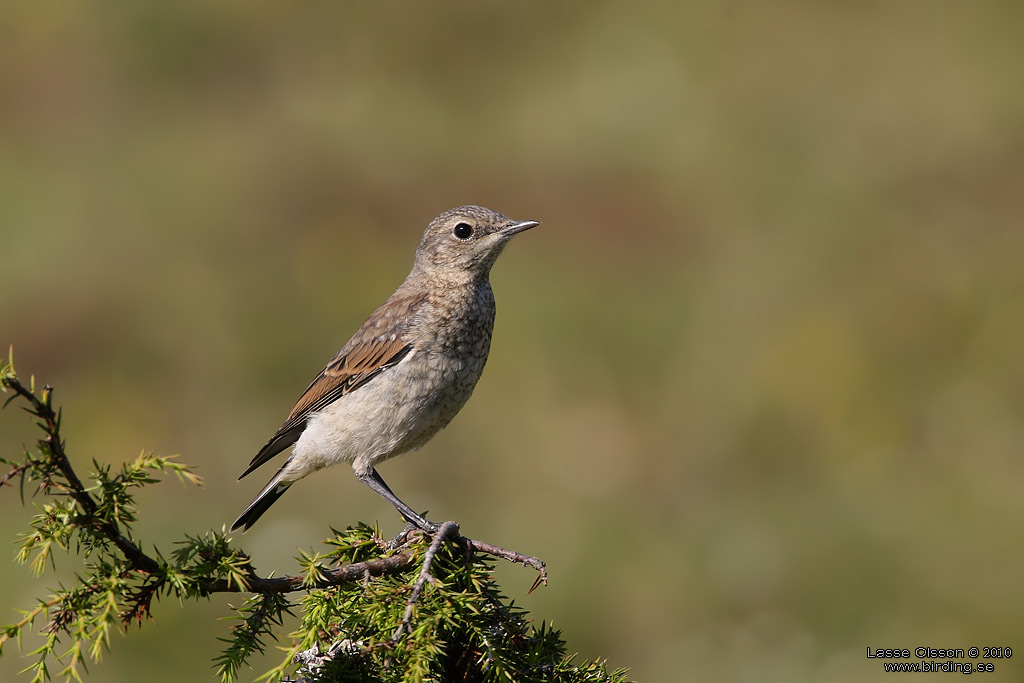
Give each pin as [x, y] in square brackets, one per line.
[447, 529]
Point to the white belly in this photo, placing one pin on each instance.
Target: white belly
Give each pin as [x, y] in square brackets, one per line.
[394, 413]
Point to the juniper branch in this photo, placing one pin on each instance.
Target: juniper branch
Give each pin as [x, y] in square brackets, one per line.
[447, 529]
[30, 617]
[53, 445]
[357, 571]
[120, 581]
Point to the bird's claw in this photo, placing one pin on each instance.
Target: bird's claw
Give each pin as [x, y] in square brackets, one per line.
[427, 527]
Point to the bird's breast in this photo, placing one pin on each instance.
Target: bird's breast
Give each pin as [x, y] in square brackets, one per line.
[400, 409]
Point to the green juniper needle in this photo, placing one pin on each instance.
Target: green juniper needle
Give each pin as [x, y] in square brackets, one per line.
[408, 369]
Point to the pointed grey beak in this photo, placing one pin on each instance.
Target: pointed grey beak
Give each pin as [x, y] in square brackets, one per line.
[519, 227]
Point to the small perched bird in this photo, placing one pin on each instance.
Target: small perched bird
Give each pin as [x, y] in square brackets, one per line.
[406, 371]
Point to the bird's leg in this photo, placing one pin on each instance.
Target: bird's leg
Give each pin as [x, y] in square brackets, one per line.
[375, 482]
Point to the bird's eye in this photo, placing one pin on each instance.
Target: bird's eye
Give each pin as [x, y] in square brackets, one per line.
[463, 231]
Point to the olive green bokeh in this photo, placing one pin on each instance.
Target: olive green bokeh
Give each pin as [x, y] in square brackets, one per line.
[755, 392]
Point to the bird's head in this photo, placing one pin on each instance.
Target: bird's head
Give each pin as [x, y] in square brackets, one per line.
[464, 242]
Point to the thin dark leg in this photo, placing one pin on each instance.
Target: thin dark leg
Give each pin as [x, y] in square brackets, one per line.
[374, 481]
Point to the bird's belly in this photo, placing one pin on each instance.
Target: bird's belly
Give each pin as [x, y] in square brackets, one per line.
[397, 412]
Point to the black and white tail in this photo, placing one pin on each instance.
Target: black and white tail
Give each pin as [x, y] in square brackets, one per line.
[267, 497]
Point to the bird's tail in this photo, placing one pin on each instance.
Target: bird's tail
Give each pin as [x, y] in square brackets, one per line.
[267, 497]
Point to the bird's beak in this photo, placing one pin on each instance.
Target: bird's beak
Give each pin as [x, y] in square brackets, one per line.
[519, 227]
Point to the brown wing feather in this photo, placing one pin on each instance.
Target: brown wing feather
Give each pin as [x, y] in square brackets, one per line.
[346, 372]
[378, 344]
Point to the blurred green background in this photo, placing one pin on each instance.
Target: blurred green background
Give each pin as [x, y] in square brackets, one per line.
[756, 389]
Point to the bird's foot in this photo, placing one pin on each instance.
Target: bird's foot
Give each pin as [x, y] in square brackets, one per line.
[430, 528]
[418, 524]
[421, 523]
[402, 537]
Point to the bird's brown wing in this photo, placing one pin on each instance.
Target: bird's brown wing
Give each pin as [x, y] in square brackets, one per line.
[371, 350]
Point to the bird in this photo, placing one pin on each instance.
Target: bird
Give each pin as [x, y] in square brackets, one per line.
[405, 373]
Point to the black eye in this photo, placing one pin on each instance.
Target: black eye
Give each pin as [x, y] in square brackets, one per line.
[463, 231]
